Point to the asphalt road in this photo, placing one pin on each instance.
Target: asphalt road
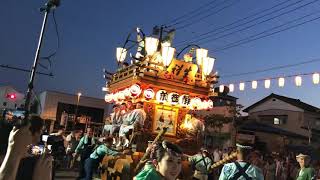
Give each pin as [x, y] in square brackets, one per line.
[66, 175]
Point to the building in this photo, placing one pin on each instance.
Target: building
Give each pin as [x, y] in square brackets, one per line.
[59, 108]
[277, 121]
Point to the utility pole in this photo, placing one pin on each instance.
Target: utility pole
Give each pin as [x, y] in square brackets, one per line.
[46, 9]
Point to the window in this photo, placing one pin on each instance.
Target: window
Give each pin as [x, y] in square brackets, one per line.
[276, 121]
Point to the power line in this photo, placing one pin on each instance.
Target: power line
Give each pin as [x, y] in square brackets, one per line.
[272, 68]
[237, 21]
[267, 35]
[210, 14]
[174, 21]
[208, 40]
[24, 70]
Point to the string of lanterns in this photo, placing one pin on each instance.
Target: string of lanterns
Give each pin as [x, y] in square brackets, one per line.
[267, 82]
[160, 97]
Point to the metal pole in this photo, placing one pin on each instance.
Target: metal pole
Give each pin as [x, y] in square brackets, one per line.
[50, 4]
[35, 64]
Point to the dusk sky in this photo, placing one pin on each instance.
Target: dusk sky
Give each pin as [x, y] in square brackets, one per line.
[90, 31]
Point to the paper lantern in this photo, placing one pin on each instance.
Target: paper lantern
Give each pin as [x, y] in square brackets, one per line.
[241, 86]
[208, 64]
[148, 94]
[231, 87]
[200, 55]
[281, 82]
[184, 100]
[298, 81]
[162, 96]
[151, 45]
[127, 92]
[221, 88]
[173, 98]
[135, 90]
[316, 78]
[167, 55]
[121, 54]
[108, 98]
[267, 83]
[195, 103]
[210, 104]
[254, 84]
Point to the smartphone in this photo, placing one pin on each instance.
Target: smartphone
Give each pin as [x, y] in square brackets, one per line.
[44, 138]
[36, 150]
[15, 117]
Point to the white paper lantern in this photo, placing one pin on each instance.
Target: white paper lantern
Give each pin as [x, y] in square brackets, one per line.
[121, 54]
[148, 94]
[195, 103]
[267, 83]
[221, 88]
[173, 98]
[298, 81]
[316, 78]
[184, 100]
[254, 84]
[200, 55]
[162, 96]
[207, 65]
[210, 104]
[135, 90]
[281, 82]
[241, 86]
[231, 87]
[108, 98]
[151, 45]
[167, 55]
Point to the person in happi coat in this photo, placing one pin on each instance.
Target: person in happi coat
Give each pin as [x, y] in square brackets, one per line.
[241, 169]
[201, 164]
[306, 172]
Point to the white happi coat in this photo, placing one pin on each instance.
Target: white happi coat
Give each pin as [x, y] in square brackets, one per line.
[116, 120]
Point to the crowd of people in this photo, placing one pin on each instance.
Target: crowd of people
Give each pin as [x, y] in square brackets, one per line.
[32, 153]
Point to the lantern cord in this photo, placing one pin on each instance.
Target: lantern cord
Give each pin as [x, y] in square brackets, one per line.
[272, 78]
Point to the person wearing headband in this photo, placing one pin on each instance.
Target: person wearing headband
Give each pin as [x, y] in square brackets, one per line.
[201, 164]
[306, 172]
[166, 163]
[241, 169]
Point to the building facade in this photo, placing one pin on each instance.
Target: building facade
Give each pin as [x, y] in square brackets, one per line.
[278, 121]
[62, 108]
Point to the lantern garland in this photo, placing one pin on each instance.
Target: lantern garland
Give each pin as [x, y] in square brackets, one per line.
[268, 81]
[161, 97]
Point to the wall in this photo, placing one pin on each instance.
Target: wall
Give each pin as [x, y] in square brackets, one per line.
[295, 115]
[50, 100]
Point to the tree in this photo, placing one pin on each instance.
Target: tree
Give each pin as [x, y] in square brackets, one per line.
[236, 116]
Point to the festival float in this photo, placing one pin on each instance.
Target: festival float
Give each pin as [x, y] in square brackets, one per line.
[169, 86]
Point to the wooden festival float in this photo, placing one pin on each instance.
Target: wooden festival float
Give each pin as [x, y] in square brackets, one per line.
[169, 88]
